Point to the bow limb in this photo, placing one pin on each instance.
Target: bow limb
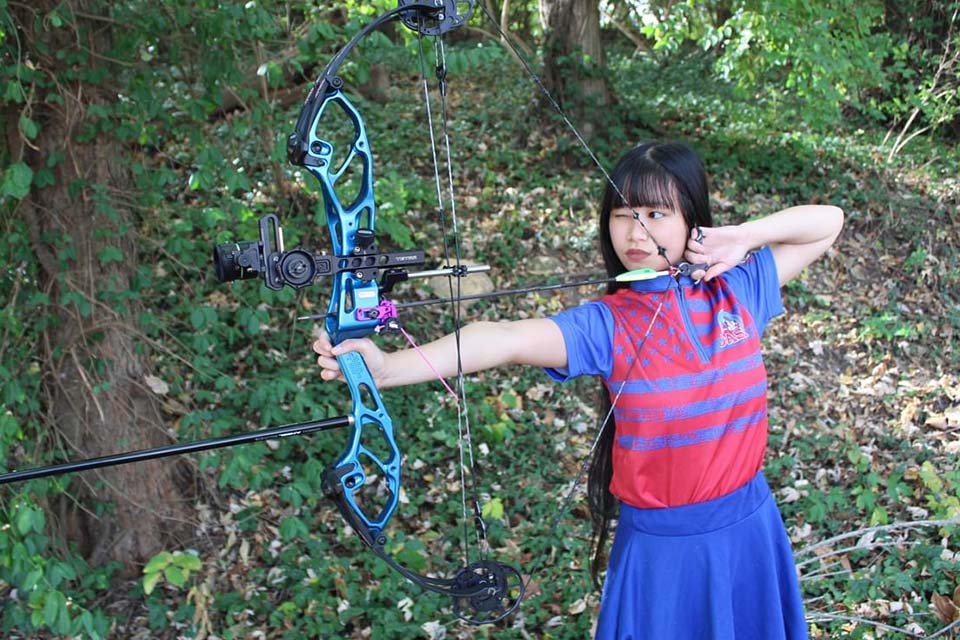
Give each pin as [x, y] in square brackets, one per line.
[429, 18]
[483, 592]
[347, 478]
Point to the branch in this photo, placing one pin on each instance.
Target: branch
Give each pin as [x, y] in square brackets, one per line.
[819, 558]
[822, 617]
[880, 529]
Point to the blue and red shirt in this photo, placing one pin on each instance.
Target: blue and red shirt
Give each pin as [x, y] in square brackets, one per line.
[691, 398]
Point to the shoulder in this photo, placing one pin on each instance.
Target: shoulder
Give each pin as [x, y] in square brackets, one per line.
[755, 283]
[588, 316]
[587, 333]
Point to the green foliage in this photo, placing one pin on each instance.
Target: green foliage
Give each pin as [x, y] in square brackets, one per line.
[888, 326]
[16, 181]
[175, 568]
[202, 114]
[50, 588]
[755, 46]
[888, 61]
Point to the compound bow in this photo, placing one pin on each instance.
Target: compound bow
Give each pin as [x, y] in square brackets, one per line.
[483, 590]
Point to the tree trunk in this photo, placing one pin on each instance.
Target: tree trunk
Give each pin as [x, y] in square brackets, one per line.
[574, 57]
[83, 235]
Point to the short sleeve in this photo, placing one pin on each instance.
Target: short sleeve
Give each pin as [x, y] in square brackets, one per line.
[588, 336]
[756, 285]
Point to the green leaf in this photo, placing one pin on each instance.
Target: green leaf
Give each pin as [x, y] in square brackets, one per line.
[411, 557]
[12, 92]
[188, 561]
[879, 517]
[110, 254]
[44, 178]
[25, 520]
[63, 622]
[510, 399]
[291, 527]
[175, 576]
[928, 474]
[32, 579]
[252, 325]
[158, 562]
[52, 608]
[197, 318]
[86, 621]
[150, 582]
[493, 509]
[497, 431]
[17, 180]
[29, 127]
[55, 575]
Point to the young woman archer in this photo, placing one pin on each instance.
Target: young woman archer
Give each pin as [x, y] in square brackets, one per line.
[700, 550]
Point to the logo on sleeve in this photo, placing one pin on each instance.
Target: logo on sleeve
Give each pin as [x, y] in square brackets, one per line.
[732, 330]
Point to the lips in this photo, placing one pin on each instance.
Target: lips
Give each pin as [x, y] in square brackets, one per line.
[637, 255]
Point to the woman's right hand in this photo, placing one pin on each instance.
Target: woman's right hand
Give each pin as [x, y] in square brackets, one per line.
[327, 357]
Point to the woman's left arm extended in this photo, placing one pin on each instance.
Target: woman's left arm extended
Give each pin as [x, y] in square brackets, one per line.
[797, 236]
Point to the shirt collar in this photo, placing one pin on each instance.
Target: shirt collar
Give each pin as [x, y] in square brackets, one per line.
[660, 283]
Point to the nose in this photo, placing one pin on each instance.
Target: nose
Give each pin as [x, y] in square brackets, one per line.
[639, 231]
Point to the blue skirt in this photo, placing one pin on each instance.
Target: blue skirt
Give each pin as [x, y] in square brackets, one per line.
[714, 570]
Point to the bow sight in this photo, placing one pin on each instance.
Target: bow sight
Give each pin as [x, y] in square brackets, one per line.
[299, 267]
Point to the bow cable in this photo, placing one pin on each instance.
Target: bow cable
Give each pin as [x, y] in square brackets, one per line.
[674, 273]
[572, 127]
[468, 481]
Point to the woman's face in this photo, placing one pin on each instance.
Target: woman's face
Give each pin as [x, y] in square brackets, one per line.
[634, 242]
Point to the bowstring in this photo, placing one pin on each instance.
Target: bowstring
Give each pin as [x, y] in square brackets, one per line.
[568, 497]
[505, 38]
[467, 441]
[464, 440]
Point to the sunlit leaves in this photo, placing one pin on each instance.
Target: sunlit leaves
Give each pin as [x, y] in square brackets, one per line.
[175, 568]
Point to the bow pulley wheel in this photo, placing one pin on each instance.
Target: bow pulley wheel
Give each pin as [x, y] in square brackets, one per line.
[443, 16]
[496, 591]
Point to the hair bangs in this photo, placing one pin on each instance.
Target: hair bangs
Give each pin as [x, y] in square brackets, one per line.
[655, 189]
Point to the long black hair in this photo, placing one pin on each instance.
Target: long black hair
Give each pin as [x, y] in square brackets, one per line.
[652, 174]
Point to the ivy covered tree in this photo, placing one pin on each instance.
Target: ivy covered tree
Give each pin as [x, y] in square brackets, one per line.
[69, 167]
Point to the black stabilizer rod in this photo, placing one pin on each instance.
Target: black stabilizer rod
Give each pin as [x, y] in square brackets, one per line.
[299, 429]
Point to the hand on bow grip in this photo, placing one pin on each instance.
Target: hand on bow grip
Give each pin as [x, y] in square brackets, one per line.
[722, 248]
[327, 357]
